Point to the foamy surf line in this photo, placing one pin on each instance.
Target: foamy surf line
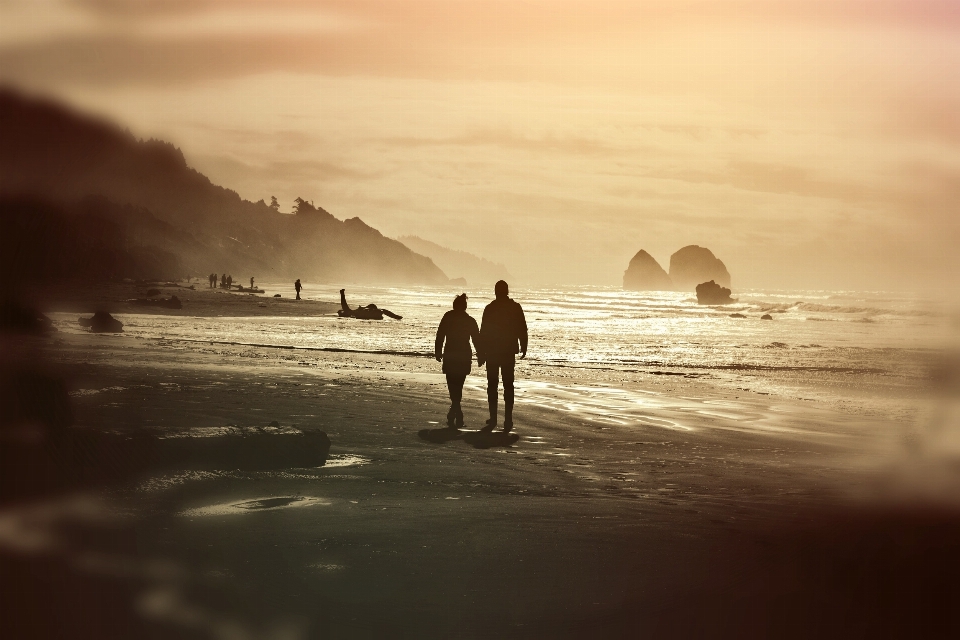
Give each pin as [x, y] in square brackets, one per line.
[542, 361]
[605, 366]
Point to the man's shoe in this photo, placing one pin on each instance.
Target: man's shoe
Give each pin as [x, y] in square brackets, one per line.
[508, 425]
[459, 419]
[491, 423]
[451, 416]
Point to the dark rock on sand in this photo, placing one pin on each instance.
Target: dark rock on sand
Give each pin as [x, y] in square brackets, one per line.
[153, 292]
[277, 295]
[645, 274]
[692, 265]
[17, 318]
[241, 449]
[766, 316]
[75, 458]
[102, 322]
[737, 315]
[712, 293]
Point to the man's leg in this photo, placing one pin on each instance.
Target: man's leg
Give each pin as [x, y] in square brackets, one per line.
[493, 381]
[507, 368]
[343, 303]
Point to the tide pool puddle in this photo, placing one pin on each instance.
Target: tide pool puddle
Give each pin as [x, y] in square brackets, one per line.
[344, 460]
[251, 505]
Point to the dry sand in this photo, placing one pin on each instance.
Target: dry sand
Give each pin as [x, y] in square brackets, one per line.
[644, 506]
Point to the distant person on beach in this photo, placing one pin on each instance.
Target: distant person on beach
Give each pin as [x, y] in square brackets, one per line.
[251, 282]
[223, 281]
[367, 312]
[457, 328]
[229, 281]
[213, 280]
[503, 334]
[296, 285]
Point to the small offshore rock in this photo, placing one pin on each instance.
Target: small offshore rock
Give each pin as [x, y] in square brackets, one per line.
[737, 315]
[766, 316]
[712, 293]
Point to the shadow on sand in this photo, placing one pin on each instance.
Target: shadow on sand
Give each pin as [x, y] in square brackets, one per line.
[440, 436]
[478, 439]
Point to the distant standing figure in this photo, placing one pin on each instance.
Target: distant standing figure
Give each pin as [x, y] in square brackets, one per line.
[503, 333]
[223, 281]
[213, 280]
[229, 281]
[457, 328]
[251, 282]
[296, 285]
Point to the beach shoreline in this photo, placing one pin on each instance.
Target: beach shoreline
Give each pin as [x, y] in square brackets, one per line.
[621, 500]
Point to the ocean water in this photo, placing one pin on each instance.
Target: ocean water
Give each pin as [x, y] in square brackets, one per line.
[817, 335]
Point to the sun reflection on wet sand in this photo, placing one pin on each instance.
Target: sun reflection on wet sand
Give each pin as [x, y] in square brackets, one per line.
[251, 505]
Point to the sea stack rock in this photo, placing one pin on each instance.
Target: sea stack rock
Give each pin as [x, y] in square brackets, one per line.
[645, 274]
[712, 293]
[693, 265]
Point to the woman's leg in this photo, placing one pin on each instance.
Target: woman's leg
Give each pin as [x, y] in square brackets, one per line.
[459, 417]
[455, 387]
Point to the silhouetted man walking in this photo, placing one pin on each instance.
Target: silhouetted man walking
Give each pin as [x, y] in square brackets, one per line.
[503, 334]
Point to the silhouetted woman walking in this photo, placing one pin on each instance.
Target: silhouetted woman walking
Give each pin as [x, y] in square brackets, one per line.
[457, 327]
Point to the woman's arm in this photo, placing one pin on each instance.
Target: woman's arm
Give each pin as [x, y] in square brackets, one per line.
[438, 344]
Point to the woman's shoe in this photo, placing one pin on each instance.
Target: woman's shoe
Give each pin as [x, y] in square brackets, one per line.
[451, 416]
[459, 419]
[508, 425]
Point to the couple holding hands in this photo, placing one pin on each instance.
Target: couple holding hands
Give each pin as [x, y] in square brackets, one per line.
[502, 334]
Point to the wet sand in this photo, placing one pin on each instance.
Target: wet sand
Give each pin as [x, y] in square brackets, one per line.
[646, 507]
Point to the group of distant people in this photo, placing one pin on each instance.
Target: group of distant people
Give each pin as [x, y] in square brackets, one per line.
[501, 335]
[226, 281]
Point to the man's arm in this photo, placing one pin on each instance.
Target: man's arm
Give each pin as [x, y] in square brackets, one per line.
[522, 330]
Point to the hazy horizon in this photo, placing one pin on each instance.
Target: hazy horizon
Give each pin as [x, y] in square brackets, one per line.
[808, 144]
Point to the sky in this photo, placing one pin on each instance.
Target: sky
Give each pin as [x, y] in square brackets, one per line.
[811, 144]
